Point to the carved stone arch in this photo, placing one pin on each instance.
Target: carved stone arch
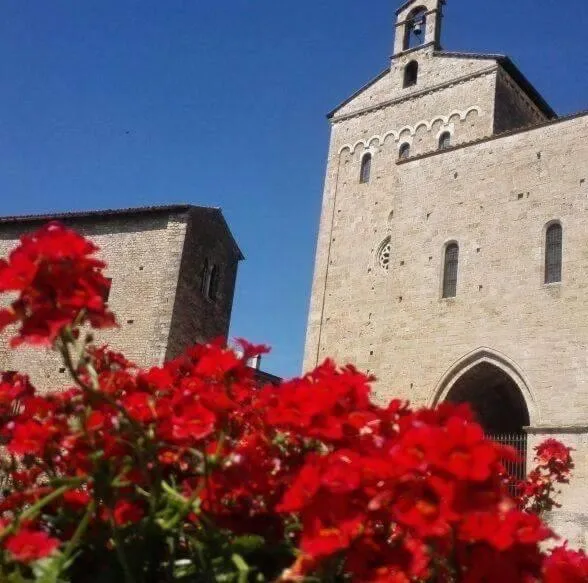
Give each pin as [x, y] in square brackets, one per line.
[358, 143]
[485, 356]
[459, 115]
[374, 139]
[345, 147]
[442, 118]
[406, 130]
[423, 123]
[437, 124]
[470, 110]
[389, 134]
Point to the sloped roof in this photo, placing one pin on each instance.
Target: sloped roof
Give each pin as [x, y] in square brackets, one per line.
[507, 64]
[132, 211]
[358, 92]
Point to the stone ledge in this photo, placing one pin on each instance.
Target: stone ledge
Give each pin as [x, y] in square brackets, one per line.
[557, 429]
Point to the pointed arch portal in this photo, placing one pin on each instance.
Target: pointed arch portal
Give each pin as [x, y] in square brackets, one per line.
[497, 392]
[495, 398]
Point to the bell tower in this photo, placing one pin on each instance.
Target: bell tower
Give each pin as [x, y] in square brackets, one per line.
[418, 25]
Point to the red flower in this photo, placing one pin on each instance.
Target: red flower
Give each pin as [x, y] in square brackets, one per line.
[77, 499]
[503, 530]
[58, 282]
[320, 540]
[190, 423]
[31, 437]
[566, 566]
[127, 512]
[30, 545]
[216, 362]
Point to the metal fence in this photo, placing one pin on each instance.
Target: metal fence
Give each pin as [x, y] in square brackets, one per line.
[517, 469]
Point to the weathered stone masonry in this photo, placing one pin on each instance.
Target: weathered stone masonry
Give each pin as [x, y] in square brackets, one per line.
[155, 258]
[512, 169]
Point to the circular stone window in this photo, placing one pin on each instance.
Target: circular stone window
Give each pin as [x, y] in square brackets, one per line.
[384, 254]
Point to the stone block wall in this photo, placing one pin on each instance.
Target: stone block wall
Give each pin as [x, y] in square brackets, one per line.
[154, 259]
[195, 317]
[494, 198]
[513, 109]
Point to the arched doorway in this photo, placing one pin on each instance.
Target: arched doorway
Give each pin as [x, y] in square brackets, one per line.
[495, 398]
[499, 406]
[495, 390]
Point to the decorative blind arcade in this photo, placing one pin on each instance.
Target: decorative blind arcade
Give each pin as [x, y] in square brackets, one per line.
[553, 244]
[450, 271]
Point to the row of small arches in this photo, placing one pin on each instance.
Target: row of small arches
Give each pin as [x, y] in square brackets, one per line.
[379, 140]
[403, 154]
[552, 266]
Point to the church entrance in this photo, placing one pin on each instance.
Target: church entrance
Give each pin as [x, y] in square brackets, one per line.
[499, 407]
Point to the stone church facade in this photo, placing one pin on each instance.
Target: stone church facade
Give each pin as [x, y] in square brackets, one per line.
[452, 256]
[172, 271]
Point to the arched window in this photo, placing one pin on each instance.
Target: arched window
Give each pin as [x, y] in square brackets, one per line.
[404, 151]
[444, 141]
[415, 28]
[210, 277]
[411, 73]
[450, 270]
[205, 278]
[213, 287]
[553, 246]
[366, 168]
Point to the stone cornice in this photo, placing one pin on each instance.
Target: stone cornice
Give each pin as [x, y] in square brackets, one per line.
[412, 129]
[557, 429]
[521, 130]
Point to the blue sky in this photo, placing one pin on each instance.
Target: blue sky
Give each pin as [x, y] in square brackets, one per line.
[117, 103]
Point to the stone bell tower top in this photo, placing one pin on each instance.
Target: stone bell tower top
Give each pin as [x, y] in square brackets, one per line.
[418, 25]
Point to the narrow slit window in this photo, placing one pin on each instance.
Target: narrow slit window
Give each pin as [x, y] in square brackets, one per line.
[450, 270]
[210, 280]
[366, 169]
[106, 290]
[553, 253]
[214, 280]
[205, 278]
[444, 141]
[411, 74]
[404, 151]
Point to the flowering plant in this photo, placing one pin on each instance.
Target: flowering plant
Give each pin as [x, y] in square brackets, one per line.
[192, 472]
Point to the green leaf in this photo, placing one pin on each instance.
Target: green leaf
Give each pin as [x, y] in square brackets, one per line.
[247, 544]
[242, 566]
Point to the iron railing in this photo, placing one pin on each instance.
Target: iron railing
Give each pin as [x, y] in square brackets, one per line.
[515, 469]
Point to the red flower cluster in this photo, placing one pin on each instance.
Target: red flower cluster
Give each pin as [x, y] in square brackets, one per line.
[30, 545]
[217, 476]
[59, 283]
[553, 466]
[566, 566]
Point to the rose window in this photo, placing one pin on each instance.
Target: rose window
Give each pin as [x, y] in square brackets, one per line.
[384, 255]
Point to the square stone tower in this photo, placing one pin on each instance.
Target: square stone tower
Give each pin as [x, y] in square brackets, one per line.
[451, 257]
[172, 271]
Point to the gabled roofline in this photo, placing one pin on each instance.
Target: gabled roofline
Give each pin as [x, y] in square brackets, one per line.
[99, 214]
[358, 92]
[505, 62]
[508, 65]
